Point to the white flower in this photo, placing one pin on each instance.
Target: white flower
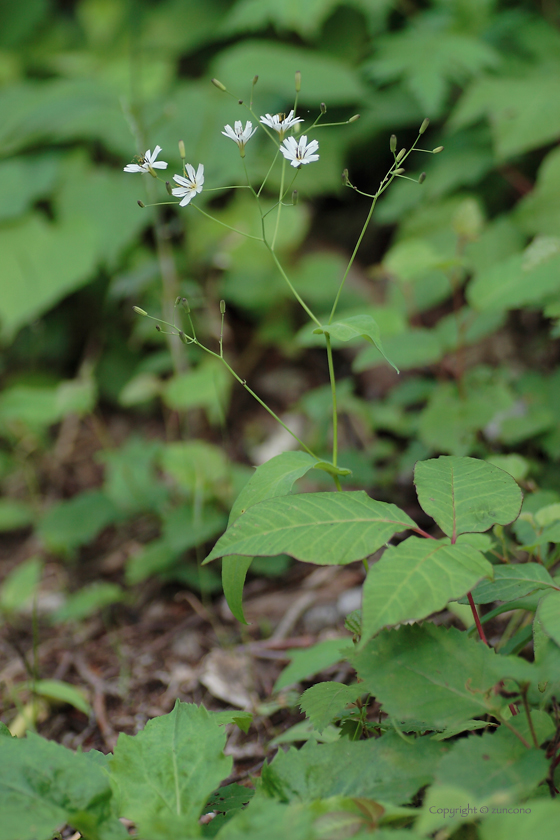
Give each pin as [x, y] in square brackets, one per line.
[281, 123]
[147, 162]
[190, 186]
[239, 134]
[299, 152]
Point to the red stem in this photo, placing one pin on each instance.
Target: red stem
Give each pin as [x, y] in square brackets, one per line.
[512, 706]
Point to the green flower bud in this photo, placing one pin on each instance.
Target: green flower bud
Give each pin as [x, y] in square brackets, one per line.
[401, 154]
[168, 188]
[140, 203]
[422, 178]
[182, 152]
[219, 85]
[399, 171]
[298, 81]
[158, 328]
[323, 108]
[393, 143]
[424, 126]
[344, 177]
[255, 80]
[355, 118]
[222, 307]
[185, 303]
[139, 311]
[437, 150]
[183, 337]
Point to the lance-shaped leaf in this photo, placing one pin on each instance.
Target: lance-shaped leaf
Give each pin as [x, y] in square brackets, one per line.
[356, 326]
[434, 674]
[272, 479]
[416, 578]
[166, 772]
[513, 581]
[466, 494]
[322, 528]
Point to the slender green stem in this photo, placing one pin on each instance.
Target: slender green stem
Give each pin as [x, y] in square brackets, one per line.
[293, 291]
[280, 196]
[529, 718]
[514, 730]
[258, 399]
[223, 224]
[334, 408]
[385, 183]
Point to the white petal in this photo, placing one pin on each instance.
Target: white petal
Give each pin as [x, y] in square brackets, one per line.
[200, 174]
[159, 164]
[190, 171]
[180, 180]
[133, 167]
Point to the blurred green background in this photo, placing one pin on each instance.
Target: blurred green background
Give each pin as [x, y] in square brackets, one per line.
[108, 433]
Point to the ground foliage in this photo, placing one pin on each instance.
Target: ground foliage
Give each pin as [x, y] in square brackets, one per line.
[124, 455]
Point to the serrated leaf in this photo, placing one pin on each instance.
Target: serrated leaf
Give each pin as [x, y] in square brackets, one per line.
[534, 818]
[495, 761]
[43, 786]
[434, 674]
[241, 719]
[226, 801]
[310, 661]
[548, 613]
[513, 581]
[323, 702]
[322, 528]
[166, 772]
[416, 578]
[356, 326]
[465, 494]
[386, 768]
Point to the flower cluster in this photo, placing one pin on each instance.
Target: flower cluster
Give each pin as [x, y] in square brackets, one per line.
[298, 152]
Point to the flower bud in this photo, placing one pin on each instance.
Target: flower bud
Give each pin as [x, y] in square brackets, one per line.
[399, 171]
[177, 301]
[422, 178]
[344, 177]
[222, 307]
[185, 303]
[158, 328]
[140, 203]
[168, 188]
[219, 85]
[437, 150]
[182, 152]
[400, 155]
[355, 118]
[183, 337]
[298, 81]
[393, 143]
[255, 80]
[323, 108]
[424, 126]
[295, 197]
[139, 311]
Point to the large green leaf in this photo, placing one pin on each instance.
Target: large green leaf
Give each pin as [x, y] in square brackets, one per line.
[41, 262]
[535, 818]
[416, 578]
[356, 326]
[538, 212]
[274, 478]
[516, 108]
[43, 786]
[513, 581]
[386, 768]
[165, 773]
[433, 674]
[548, 613]
[322, 75]
[465, 494]
[322, 528]
[495, 761]
[522, 279]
